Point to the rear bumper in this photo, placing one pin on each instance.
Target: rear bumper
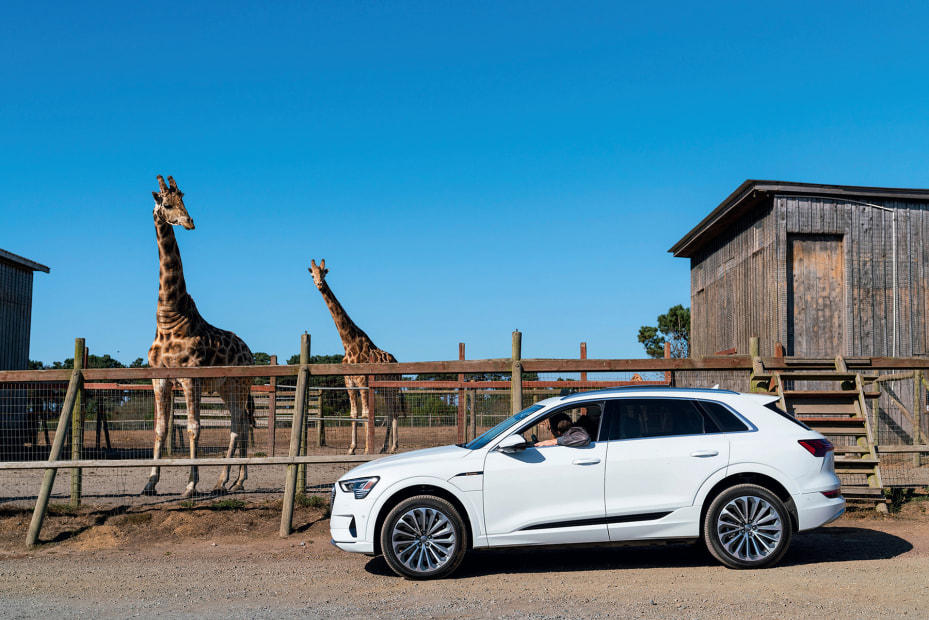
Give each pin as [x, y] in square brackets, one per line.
[815, 510]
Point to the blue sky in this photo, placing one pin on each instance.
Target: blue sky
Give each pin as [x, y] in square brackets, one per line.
[465, 168]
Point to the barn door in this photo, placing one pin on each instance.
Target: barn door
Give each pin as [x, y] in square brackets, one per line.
[815, 296]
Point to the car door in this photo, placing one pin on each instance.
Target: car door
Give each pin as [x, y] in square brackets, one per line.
[545, 495]
[661, 451]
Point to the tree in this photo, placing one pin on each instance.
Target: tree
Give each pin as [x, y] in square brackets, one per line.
[673, 327]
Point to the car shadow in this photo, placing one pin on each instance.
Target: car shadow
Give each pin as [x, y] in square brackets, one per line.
[831, 544]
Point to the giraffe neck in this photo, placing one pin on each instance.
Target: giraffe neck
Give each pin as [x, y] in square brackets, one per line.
[351, 334]
[174, 304]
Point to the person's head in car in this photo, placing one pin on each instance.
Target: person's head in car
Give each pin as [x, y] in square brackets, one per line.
[559, 424]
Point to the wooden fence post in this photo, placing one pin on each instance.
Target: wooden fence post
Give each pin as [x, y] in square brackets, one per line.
[668, 375]
[290, 482]
[64, 425]
[516, 380]
[584, 357]
[471, 395]
[272, 411]
[917, 414]
[301, 469]
[369, 423]
[77, 425]
[462, 399]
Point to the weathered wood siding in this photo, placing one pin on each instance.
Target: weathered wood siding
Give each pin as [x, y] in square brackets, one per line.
[730, 280]
[869, 258]
[15, 316]
[740, 282]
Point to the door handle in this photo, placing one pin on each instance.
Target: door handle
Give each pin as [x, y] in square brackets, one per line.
[585, 461]
[702, 454]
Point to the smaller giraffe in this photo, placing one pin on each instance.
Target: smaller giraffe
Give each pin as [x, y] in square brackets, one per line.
[359, 349]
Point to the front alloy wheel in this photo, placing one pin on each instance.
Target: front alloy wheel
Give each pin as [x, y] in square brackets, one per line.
[423, 538]
[747, 526]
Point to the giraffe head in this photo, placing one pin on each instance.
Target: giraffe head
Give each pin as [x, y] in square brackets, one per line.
[319, 272]
[169, 204]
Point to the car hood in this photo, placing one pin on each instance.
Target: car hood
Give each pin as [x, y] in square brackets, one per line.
[422, 458]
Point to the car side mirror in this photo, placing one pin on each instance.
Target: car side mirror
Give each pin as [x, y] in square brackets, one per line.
[513, 443]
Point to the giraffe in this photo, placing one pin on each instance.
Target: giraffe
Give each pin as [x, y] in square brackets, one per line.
[359, 349]
[183, 339]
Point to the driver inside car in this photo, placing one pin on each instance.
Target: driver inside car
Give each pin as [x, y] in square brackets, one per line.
[565, 433]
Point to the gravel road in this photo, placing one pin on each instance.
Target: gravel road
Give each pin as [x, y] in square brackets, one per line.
[207, 561]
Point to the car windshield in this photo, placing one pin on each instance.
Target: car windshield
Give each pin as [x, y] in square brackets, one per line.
[482, 440]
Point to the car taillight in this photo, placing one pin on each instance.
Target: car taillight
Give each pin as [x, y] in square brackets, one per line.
[817, 447]
[833, 494]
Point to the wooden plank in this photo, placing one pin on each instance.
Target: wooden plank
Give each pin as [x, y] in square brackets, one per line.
[861, 491]
[902, 449]
[842, 431]
[732, 362]
[838, 422]
[220, 462]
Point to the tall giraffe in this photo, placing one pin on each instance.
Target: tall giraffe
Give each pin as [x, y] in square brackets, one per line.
[359, 349]
[184, 340]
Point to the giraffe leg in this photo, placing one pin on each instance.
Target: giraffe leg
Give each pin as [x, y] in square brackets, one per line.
[365, 408]
[239, 435]
[387, 430]
[353, 403]
[162, 392]
[192, 396]
[390, 433]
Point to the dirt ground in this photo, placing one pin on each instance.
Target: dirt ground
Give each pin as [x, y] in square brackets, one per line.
[222, 557]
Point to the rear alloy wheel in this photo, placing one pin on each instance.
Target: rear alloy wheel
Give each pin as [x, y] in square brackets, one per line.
[747, 526]
[424, 538]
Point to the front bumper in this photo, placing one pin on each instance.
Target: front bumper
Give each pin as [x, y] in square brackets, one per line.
[354, 547]
[348, 524]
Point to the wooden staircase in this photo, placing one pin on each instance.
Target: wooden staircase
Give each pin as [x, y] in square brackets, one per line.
[833, 402]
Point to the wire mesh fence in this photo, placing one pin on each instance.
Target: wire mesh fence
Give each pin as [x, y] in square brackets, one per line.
[900, 419]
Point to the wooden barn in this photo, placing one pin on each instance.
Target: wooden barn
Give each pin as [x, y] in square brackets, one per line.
[16, 309]
[824, 270]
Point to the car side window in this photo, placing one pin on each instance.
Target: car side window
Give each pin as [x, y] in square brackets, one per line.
[633, 418]
[727, 421]
[585, 415]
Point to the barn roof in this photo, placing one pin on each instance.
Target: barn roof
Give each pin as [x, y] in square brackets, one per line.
[20, 262]
[751, 192]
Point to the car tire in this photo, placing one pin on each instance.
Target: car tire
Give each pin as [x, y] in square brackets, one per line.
[424, 537]
[747, 526]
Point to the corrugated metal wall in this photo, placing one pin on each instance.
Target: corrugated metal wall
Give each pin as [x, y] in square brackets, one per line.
[15, 316]
[739, 283]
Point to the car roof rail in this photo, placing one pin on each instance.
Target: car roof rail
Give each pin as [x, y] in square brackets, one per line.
[649, 388]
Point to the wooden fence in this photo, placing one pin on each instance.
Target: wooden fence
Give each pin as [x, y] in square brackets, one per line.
[727, 372]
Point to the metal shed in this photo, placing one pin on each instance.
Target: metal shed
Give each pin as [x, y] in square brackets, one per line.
[825, 270]
[16, 309]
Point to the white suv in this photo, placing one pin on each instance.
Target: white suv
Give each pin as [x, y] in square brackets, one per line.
[663, 464]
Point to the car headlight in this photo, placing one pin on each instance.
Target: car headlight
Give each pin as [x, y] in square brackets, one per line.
[359, 486]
